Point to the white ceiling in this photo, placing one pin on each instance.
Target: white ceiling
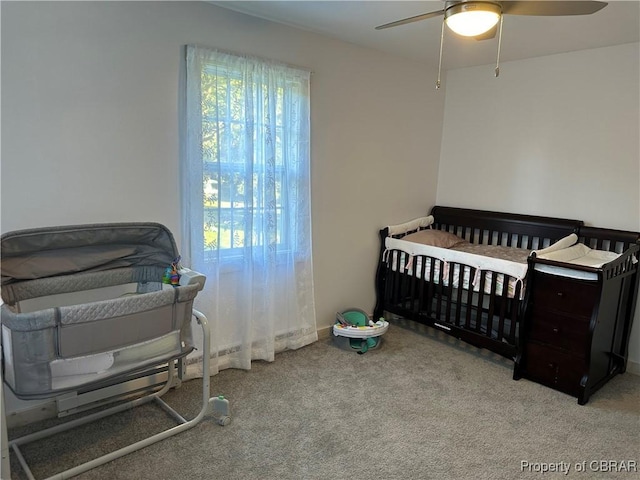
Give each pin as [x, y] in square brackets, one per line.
[522, 37]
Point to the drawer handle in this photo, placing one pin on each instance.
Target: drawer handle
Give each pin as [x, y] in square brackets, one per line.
[560, 294]
[555, 330]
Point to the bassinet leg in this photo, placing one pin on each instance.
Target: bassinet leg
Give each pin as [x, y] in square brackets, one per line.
[5, 470]
[184, 425]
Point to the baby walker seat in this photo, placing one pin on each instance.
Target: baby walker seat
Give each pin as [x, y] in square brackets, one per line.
[362, 332]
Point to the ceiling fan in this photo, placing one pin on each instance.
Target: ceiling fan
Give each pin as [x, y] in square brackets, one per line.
[482, 19]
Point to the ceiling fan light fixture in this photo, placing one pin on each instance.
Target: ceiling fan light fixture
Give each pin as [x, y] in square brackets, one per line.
[472, 18]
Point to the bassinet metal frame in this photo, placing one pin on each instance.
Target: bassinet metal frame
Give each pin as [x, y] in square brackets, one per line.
[207, 407]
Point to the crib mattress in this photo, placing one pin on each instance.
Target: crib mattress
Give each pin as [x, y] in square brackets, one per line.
[84, 304]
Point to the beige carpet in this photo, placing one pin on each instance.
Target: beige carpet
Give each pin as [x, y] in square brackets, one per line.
[421, 406]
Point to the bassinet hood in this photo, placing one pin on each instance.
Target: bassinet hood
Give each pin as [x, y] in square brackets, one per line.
[54, 251]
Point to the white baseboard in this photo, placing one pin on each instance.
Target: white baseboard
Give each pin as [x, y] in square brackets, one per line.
[325, 332]
[633, 367]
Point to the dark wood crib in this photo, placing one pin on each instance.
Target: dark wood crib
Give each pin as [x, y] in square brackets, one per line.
[487, 308]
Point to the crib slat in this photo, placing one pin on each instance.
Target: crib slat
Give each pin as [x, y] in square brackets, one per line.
[395, 277]
[412, 285]
[480, 304]
[445, 290]
[462, 281]
[503, 308]
[455, 295]
[402, 287]
[492, 303]
[421, 285]
[432, 292]
[439, 285]
[432, 286]
[515, 312]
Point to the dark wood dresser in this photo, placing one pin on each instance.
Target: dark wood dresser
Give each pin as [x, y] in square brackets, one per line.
[575, 332]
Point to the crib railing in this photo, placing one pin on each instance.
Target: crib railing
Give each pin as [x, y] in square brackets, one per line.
[476, 306]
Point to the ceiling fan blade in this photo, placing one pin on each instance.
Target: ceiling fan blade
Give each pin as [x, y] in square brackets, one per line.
[417, 18]
[551, 8]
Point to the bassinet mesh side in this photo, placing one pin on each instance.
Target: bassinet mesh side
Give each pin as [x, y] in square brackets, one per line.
[55, 349]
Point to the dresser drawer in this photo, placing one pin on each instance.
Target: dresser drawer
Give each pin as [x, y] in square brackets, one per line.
[567, 295]
[558, 330]
[554, 368]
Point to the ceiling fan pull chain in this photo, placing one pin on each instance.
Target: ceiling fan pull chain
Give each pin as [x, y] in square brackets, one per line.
[497, 70]
[440, 59]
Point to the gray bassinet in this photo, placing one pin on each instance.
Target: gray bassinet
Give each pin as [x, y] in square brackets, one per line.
[85, 304]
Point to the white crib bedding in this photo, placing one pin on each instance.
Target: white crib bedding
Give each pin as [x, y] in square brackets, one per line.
[461, 258]
[495, 258]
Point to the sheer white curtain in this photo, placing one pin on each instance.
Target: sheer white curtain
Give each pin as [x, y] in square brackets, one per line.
[246, 203]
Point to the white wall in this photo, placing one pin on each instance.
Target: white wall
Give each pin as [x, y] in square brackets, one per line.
[556, 136]
[90, 126]
[90, 130]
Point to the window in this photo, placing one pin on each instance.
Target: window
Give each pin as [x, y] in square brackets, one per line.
[253, 122]
[233, 192]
